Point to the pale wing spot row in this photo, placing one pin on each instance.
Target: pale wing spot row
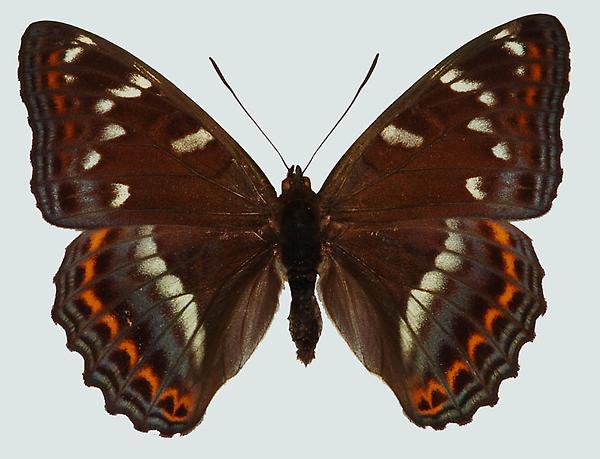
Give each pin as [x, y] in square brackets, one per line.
[192, 142]
[145, 247]
[91, 158]
[104, 106]
[126, 91]
[433, 281]
[69, 78]
[72, 53]
[189, 319]
[152, 267]
[520, 70]
[453, 223]
[514, 47]
[86, 40]
[140, 81]
[415, 315]
[481, 124]
[455, 242]
[474, 185]
[450, 75]
[448, 261]
[501, 151]
[145, 230]
[503, 33]
[394, 136]
[465, 85]
[112, 131]
[488, 98]
[121, 194]
[169, 286]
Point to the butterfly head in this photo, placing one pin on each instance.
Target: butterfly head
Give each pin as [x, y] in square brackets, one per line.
[295, 180]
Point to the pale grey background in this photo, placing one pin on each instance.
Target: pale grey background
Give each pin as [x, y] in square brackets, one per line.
[296, 66]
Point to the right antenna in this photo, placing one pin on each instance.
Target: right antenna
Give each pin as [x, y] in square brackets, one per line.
[345, 111]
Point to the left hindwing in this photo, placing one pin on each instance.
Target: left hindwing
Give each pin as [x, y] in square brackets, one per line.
[476, 136]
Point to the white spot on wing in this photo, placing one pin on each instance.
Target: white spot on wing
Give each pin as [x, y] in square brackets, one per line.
[503, 33]
[121, 194]
[112, 131]
[448, 261]
[90, 159]
[169, 286]
[520, 70]
[86, 40]
[453, 223]
[152, 267]
[191, 142]
[145, 247]
[415, 315]
[394, 135]
[465, 85]
[406, 337]
[455, 242]
[198, 348]
[481, 124]
[104, 106]
[501, 151]
[145, 230]
[514, 47]
[140, 81]
[473, 185]
[69, 78]
[488, 98]
[450, 75]
[433, 281]
[72, 53]
[126, 91]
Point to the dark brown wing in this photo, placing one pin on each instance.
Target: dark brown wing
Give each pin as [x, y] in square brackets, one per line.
[164, 315]
[439, 309]
[476, 136]
[115, 143]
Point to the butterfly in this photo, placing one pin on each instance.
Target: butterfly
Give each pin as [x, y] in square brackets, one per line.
[185, 244]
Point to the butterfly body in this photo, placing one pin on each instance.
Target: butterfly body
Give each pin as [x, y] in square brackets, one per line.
[185, 245]
[300, 244]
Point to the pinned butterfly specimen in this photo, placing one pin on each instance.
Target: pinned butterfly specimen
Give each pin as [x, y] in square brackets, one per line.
[185, 244]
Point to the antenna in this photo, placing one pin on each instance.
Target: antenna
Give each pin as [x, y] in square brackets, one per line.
[212, 61]
[373, 64]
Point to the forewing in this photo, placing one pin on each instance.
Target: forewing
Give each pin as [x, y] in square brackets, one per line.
[115, 143]
[164, 315]
[477, 136]
[439, 309]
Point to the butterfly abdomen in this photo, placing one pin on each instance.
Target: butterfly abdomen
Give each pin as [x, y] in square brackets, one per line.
[300, 244]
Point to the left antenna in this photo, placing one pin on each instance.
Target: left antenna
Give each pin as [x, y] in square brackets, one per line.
[218, 70]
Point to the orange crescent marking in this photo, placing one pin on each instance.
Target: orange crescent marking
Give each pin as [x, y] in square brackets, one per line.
[501, 235]
[111, 322]
[474, 340]
[533, 50]
[148, 374]
[490, 315]
[536, 72]
[130, 348]
[59, 103]
[426, 394]
[53, 79]
[509, 264]
[178, 401]
[530, 94]
[89, 267]
[523, 122]
[90, 298]
[97, 238]
[454, 371]
[507, 294]
[69, 127]
[55, 57]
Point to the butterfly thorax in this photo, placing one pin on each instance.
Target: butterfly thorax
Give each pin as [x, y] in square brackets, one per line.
[300, 245]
